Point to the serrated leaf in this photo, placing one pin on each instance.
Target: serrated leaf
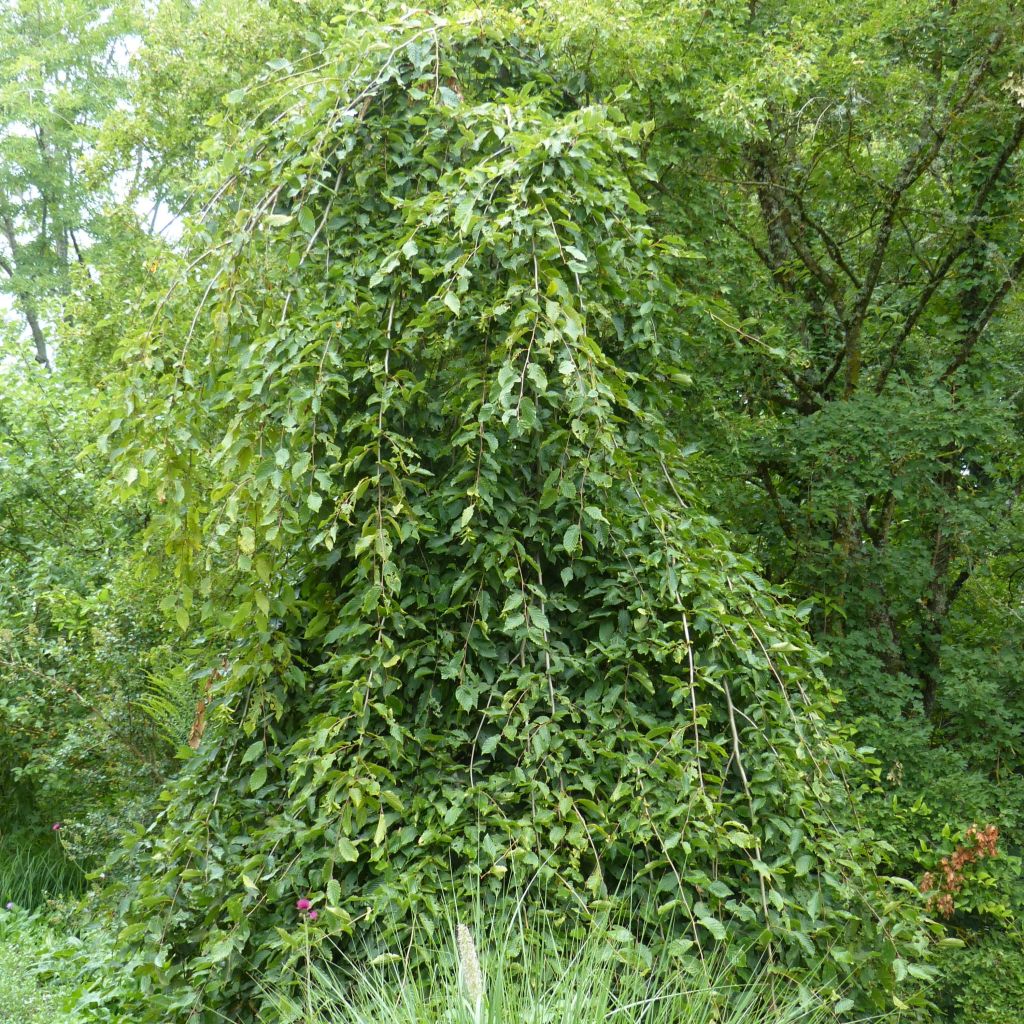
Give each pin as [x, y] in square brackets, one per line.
[814, 905]
[714, 926]
[539, 617]
[221, 950]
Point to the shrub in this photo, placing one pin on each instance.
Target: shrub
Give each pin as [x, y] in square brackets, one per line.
[404, 435]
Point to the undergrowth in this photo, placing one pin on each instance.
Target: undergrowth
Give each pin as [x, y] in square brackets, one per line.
[31, 872]
[527, 976]
[25, 998]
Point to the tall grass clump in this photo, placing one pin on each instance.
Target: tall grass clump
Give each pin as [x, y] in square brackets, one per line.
[478, 974]
[31, 872]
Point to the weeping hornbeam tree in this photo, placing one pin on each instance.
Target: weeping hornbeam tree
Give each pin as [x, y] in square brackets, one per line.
[474, 632]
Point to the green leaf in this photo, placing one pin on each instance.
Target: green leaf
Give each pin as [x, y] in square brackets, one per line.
[306, 220]
[714, 926]
[221, 950]
[253, 751]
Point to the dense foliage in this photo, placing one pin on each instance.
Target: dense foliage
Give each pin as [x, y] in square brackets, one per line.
[573, 446]
[474, 623]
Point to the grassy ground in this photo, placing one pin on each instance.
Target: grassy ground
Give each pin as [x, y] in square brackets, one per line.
[521, 977]
[518, 976]
[24, 998]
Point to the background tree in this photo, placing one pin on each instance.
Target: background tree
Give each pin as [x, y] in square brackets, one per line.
[853, 178]
[59, 81]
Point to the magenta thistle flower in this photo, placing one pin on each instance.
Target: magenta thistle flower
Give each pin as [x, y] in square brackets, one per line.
[312, 915]
[57, 826]
[303, 904]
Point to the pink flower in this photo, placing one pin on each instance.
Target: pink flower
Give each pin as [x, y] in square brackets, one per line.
[57, 826]
[312, 915]
[303, 904]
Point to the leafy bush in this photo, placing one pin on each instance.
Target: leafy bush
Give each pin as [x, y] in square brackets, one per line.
[77, 625]
[461, 606]
[984, 983]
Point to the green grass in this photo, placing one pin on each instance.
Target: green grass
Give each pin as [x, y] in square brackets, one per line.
[30, 873]
[24, 999]
[526, 978]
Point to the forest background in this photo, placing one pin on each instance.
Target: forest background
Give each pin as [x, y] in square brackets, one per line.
[620, 404]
